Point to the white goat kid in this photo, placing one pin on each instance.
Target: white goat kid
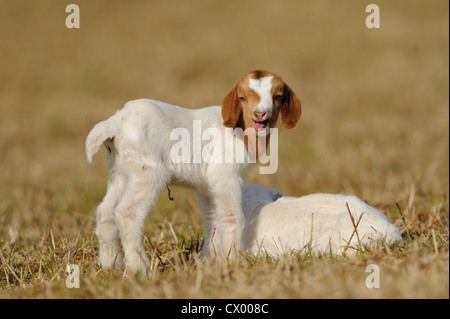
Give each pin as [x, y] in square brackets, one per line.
[318, 223]
[138, 138]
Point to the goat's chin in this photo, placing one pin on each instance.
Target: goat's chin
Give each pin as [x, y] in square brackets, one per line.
[263, 131]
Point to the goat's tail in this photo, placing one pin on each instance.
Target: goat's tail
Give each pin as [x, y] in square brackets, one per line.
[100, 133]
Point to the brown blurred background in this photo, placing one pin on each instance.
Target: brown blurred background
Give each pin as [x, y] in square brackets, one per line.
[375, 101]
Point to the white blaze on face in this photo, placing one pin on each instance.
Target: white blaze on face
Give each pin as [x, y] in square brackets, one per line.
[263, 87]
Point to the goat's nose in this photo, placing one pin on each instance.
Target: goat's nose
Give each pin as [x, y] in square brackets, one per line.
[260, 115]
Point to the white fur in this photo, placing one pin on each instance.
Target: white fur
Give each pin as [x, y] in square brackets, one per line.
[263, 88]
[140, 168]
[317, 223]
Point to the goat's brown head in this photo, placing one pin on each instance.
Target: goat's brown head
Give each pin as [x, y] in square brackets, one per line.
[257, 100]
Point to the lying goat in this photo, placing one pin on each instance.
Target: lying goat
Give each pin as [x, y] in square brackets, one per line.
[319, 223]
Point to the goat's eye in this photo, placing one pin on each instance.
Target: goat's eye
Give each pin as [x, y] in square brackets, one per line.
[243, 99]
[278, 97]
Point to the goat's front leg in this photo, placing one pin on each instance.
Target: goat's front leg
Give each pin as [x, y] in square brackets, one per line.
[209, 219]
[225, 241]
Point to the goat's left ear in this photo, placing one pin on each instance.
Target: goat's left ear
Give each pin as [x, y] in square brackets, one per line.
[291, 109]
[231, 108]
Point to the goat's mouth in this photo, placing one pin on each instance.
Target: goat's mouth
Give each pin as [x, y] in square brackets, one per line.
[260, 125]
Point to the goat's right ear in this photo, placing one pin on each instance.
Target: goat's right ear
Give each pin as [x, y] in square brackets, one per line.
[231, 108]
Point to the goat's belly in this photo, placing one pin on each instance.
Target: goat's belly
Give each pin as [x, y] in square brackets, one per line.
[189, 175]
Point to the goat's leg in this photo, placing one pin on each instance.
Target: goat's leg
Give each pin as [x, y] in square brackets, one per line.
[141, 192]
[106, 228]
[209, 219]
[229, 216]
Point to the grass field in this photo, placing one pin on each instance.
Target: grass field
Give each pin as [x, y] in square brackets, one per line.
[375, 124]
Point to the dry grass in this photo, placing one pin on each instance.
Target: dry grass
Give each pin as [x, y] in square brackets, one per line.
[375, 124]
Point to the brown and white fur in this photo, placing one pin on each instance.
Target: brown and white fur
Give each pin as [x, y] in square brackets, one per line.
[138, 138]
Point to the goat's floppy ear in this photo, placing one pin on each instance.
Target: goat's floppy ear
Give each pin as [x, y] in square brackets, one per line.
[231, 109]
[291, 109]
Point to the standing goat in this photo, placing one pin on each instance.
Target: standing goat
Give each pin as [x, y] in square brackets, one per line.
[140, 143]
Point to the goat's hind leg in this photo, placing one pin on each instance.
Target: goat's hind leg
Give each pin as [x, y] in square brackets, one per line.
[141, 192]
[106, 228]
